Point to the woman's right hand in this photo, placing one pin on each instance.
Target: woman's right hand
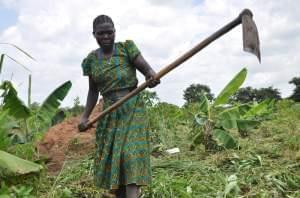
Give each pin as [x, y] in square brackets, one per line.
[83, 125]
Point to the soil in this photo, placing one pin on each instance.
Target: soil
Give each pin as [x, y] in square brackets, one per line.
[64, 141]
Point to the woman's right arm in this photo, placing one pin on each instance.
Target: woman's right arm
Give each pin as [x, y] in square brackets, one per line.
[91, 101]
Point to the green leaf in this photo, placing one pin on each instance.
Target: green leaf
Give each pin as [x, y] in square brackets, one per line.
[228, 117]
[244, 108]
[203, 104]
[247, 124]
[199, 121]
[259, 109]
[4, 191]
[67, 193]
[1, 62]
[223, 138]
[244, 126]
[231, 87]
[11, 165]
[12, 103]
[52, 102]
[198, 139]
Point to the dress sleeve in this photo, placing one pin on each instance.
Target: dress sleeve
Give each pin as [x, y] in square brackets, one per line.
[86, 64]
[132, 50]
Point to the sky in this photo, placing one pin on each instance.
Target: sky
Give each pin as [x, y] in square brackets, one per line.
[58, 34]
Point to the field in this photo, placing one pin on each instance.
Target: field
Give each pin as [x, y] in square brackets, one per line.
[265, 165]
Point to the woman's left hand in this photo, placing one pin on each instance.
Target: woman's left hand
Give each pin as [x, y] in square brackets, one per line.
[152, 82]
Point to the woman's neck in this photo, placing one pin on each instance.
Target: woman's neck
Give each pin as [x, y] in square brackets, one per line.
[108, 51]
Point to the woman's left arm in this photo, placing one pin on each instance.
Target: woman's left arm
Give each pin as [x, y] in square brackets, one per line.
[141, 64]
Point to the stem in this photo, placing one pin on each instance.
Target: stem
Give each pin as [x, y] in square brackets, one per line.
[29, 90]
[26, 130]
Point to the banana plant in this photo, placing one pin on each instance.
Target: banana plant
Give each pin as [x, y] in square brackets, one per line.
[43, 116]
[17, 109]
[216, 121]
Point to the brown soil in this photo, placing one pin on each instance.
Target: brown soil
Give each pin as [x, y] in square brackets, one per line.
[64, 141]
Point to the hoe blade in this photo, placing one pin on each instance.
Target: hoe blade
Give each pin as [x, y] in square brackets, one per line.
[250, 36]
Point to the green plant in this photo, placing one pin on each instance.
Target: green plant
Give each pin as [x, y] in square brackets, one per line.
[215, 122]
[32, 121]
[149, 98]
[19, 191]
[5, 127]
[22, 191]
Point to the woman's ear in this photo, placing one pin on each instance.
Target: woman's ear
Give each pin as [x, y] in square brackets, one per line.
[94, 35]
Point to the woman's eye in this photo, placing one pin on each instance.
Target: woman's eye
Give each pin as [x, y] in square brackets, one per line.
[105, 32]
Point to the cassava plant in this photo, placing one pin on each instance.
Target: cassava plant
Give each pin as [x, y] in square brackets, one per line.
[215, 121]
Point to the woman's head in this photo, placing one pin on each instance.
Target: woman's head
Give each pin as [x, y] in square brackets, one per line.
[104, 31]
[102, 19]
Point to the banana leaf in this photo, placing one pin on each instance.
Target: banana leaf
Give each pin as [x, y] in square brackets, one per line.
[244, 126]
[223, 138]
[199, 121]
[11, 165]
[244, 108]
[53, 101]
[12, 103]
[204, 104]
[231, 88]
[1, 62]
[247, 124]
[259, 109]
[227, 118]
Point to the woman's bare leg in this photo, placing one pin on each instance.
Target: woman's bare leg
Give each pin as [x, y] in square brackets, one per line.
[132, 191]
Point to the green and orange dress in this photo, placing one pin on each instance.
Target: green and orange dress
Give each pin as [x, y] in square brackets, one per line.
[122, 137]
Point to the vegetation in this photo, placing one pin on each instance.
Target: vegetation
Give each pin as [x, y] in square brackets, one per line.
[296, 94]
[194, 92]
[266, 165]
[241, 146]
[249, 94]
[215, 123]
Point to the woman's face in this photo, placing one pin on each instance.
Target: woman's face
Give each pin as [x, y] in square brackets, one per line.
[105, 35]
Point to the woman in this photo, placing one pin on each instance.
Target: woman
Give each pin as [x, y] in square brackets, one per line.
[122, 161]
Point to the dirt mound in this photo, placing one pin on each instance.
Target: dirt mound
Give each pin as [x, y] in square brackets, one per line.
[64, 141]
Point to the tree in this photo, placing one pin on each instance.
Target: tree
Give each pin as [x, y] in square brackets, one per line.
[248, 94]
[244, 95]
[296, 95]
[194, 92]
[267, 93]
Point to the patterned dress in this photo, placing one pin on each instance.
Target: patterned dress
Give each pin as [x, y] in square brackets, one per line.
[122, 137]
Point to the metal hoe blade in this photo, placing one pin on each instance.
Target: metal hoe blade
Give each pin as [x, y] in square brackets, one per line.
[250, 34]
